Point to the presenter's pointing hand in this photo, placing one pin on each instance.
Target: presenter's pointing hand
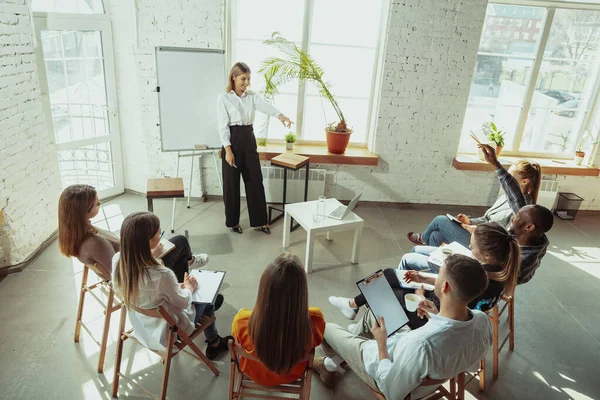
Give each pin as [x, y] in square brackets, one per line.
[285, 120]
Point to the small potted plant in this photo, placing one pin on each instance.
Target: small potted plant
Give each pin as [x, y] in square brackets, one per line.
[494, 135]
[290, 138]
[579, 153]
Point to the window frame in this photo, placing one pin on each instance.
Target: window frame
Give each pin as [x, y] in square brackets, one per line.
[544, 30]
[307, 20]
[82, 22]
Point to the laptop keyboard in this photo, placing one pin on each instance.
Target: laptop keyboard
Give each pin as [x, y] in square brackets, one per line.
[338, 212]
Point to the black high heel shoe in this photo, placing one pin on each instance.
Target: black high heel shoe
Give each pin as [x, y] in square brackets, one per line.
[237, 230]
[264, 229]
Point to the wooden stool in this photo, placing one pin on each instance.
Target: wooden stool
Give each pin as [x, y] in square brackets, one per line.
[289, 162]
[164, 188]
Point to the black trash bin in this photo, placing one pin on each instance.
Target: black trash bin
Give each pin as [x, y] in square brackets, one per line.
[567, 206]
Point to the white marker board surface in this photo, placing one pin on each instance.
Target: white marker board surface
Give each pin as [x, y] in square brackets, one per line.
[189, 83]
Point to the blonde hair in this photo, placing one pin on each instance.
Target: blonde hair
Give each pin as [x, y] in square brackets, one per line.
[237, 69]
[533, 172]
[132, 268]
[74, 205]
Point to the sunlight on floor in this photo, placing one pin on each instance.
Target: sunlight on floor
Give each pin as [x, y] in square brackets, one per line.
[586, 259]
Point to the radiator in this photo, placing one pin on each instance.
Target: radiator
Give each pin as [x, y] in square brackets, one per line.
[273, 182]
[547, 195]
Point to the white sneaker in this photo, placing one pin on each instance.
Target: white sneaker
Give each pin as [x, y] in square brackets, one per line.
[200, 260]
[343, 304]
[334, 363]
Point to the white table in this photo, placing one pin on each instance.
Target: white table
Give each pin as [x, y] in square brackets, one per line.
[303, 213]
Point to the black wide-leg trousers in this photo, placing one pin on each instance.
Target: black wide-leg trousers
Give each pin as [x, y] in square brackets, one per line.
[243, 145]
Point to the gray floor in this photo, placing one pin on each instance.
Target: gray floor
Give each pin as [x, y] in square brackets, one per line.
[557, 321]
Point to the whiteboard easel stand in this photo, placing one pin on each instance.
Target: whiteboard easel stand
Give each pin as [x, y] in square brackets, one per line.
[199, 154]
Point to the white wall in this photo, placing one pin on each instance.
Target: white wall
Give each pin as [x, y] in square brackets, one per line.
[429, 62]
[29, 180]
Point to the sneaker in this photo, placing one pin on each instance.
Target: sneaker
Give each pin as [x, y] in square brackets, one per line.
[343, 304]
[416, 238]
[200, 260]
[214, 352]
[328, 378]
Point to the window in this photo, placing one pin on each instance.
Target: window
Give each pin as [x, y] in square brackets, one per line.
[79, 93]
[537, 91]
[308, 24]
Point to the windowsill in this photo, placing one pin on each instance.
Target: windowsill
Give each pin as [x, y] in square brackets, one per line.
[470, 162]
[319, 155]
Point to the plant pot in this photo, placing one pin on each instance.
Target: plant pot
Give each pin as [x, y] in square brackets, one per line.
[498, 150]
[289, 146]
[337, 141]
[579, 155]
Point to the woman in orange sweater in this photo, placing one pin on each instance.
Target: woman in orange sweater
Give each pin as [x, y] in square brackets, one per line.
[282, 330]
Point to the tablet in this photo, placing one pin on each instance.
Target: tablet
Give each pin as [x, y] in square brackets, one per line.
[382, 301]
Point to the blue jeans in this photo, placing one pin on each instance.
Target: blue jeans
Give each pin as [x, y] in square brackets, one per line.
[442, 230]
[417, 260]
[210, 333]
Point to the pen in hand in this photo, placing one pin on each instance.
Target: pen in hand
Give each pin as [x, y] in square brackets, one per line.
[162, 234]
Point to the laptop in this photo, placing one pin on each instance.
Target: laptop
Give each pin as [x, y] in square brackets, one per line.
[342, 211]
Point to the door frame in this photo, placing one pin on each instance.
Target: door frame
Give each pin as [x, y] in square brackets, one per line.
[87, 22]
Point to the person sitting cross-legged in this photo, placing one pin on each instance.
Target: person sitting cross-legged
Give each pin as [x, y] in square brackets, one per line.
[453, 340]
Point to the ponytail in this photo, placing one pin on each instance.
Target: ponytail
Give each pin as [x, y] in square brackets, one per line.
[504, 249]
[533, 172]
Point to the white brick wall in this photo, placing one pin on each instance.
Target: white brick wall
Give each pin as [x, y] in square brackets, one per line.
[429, 62]
[29, 181]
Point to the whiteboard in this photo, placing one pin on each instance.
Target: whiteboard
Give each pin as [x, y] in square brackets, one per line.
[189, 83]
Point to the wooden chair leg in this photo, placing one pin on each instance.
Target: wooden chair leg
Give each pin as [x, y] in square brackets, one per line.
[119, 355]
[103, 342]
[460, 389]
[167, 363]
[452, 388]
[81, 299]
[482, 375]
[231, 379]
[200, 354]
[511, 324]
[495, 350]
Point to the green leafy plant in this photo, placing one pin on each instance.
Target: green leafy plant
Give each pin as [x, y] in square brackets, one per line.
[268, 94]
[493, 134]
[290, 137]
[298, 64]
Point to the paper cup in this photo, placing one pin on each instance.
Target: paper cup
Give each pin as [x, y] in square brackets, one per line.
[412, 301]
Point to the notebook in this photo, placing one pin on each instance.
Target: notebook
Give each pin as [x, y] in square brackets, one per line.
[209, 283]
[438, 257]
[414, 285]
[167, 247]
[382, 301]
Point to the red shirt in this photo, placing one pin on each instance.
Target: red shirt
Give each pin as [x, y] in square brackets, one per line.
[256, 370]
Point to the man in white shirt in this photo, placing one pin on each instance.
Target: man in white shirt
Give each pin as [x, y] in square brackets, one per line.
[453, 340]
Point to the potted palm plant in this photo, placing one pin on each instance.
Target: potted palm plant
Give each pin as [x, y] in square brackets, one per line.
[290, 138]
[298, 64]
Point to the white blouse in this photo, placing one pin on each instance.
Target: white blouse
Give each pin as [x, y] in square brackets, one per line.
[239, 110]
[161, 290]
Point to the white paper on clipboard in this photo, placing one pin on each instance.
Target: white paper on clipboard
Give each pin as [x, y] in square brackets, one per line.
[209, 283]
[383, 302]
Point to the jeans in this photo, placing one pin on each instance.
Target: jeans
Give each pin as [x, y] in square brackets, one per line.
[177, 260]
[210, 333]
[442, 230]
[417, 260]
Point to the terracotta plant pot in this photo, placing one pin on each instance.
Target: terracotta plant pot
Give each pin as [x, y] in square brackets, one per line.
[498, 150]
[579, 156]
[337, 141]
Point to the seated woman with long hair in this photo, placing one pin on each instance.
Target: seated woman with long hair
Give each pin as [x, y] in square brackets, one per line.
[142, 281]
[282, 330]
[77, 237]
[491, 244]
[442, 230]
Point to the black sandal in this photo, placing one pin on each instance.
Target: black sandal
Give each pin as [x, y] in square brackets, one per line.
[237, 230]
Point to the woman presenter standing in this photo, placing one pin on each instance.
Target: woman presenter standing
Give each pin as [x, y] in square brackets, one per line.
[235, 110]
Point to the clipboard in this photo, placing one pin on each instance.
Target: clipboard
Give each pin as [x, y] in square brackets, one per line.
[168, 247]
[382, 301]
[209, 284]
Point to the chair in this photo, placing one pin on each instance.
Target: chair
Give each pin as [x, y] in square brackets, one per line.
[457, 389]
[494, 314]
[240, 386]
[177, 337]
[109, 307]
